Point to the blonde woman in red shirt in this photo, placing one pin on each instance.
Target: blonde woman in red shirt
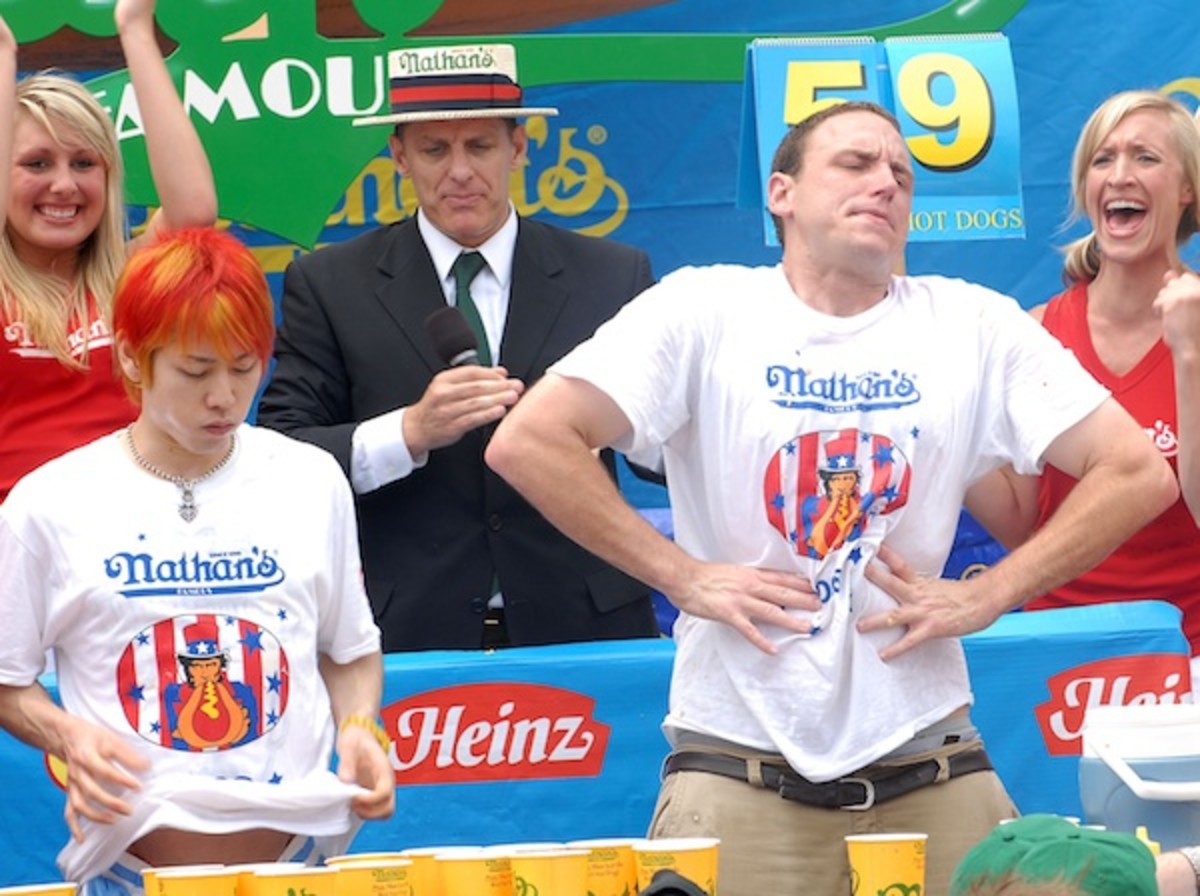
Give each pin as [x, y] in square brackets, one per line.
[64, 240]
[1131, 314]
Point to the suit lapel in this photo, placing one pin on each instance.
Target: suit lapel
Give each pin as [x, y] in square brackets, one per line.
[535, 302]
[408, 288]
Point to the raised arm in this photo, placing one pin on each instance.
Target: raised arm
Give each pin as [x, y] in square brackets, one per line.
[178, 163]
[8, 109]
[1179, 305]
[545, 448]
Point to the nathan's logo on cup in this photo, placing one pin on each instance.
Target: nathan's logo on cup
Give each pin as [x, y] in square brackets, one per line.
[495, 731]
[1140, 679]
[693, 858]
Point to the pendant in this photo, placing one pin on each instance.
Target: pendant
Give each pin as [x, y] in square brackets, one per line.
[187, 504]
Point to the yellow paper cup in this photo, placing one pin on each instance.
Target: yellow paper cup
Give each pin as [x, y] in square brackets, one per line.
[477, 873]
[194, 881]
[247, 871]
[54, 889]
[692, 857]
[549, 872]
[360, 857]
[375, 877]
[612, 870]
[150, 875]
[887, 863]
[425, 875]
[289, 880]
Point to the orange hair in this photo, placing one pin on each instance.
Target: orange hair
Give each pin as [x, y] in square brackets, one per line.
[191, 286]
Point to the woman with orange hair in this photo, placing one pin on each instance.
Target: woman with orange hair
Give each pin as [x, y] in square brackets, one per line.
[199, 582]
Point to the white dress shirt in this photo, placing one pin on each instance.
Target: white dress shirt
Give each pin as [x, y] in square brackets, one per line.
[379, 454]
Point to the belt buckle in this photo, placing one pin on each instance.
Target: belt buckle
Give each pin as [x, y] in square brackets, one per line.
[868, 800]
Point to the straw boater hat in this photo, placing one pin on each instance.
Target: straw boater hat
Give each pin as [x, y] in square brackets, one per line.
[445, 83]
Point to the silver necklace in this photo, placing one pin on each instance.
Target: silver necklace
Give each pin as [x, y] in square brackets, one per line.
[187, 494]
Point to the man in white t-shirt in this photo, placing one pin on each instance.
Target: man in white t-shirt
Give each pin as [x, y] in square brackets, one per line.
[805, 414]
[213, 642]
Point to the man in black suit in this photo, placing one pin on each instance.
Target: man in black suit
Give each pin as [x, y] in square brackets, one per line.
[453, 557]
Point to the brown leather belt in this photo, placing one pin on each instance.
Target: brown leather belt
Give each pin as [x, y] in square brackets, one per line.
[854, 792]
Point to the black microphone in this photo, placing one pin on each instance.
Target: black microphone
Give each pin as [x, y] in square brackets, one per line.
[452, 338]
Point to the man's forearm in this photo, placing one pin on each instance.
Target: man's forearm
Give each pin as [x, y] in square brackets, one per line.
[355, 688]
[29, 714]
[1187, 395]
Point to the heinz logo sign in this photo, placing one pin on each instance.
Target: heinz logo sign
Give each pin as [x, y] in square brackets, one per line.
[1118, 681]
[493, 732]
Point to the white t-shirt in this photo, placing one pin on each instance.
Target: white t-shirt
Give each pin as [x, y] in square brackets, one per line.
[197, 642]
[764, 411]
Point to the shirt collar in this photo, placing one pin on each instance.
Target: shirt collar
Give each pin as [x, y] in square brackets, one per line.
[497, 251]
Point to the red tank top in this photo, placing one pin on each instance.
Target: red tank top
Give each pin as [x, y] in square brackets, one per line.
[47, 408]
[1162, 561]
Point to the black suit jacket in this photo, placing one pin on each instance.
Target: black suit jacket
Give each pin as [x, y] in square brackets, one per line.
[352, 345]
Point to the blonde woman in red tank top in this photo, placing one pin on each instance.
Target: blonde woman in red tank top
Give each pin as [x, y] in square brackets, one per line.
[64, 239]
[1131, 314]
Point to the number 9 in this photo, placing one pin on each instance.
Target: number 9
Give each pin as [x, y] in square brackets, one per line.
[970, 113]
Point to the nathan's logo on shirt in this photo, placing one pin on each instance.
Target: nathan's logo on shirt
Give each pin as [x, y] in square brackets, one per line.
[214, 573]
[795, 387]
[80, 340]
[1164, 438]
[492, 732]
[821, 489]
[203, 682]
[1142, 678]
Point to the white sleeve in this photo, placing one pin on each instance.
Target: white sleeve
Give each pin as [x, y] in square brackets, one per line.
[643, 359]
[346, 628]
[1035, 389]
[23, 581]
[378, 453]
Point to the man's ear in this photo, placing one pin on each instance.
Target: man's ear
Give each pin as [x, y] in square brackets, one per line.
[779, 193]
[520, 142]
[129, 364]
[396, 148]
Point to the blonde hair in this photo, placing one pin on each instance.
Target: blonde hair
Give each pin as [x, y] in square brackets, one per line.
[1083, 255]
[45, 302]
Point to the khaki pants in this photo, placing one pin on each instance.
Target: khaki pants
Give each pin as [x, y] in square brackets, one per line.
[773, 847]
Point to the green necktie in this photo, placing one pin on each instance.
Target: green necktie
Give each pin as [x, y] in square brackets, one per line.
[466, 266]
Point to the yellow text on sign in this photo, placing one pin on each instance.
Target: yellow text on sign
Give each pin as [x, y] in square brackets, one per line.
[805, 79]
[970, 115]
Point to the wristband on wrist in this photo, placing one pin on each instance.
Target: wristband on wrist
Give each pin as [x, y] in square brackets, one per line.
[1192, 854]
[371, 725]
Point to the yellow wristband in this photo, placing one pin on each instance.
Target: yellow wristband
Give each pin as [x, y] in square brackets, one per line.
[371, 725]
